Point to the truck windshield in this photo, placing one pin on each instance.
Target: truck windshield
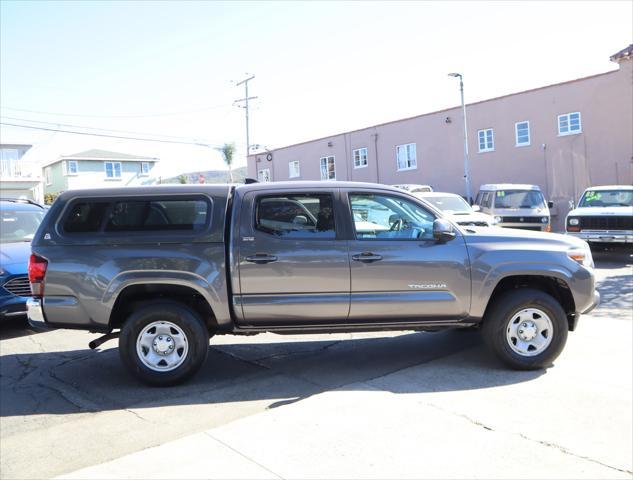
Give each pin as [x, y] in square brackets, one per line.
[19, 226]
[519, 199]
[450, 204]
[607, 198]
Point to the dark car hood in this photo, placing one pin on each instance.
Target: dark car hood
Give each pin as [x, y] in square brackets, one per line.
[14, 256]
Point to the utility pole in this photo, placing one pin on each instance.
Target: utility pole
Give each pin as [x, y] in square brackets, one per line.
[245, 107]
[466, 165]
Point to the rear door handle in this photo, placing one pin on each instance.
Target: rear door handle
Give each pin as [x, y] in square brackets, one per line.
[366, 257]
[261, 258]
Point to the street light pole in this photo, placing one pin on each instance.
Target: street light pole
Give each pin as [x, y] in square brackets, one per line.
[466, 163]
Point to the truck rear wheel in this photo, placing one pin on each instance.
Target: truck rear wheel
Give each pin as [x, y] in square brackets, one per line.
[526, 329]
[163, 343]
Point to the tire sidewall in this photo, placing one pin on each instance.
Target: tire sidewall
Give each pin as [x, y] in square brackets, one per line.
[507, 308]
[193, 328]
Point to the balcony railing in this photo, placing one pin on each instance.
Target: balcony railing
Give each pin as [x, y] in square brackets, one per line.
[19, 170]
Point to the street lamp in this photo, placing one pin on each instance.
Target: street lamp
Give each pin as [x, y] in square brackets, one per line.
[466, 166]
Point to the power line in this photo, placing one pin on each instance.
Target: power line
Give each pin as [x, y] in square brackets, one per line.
[191, 142]
[67, 125]
[166, 114]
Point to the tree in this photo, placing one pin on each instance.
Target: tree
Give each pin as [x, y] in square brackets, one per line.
[182, 179]
[227, 150]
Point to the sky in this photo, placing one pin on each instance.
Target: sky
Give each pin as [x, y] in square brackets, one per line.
[321, 68]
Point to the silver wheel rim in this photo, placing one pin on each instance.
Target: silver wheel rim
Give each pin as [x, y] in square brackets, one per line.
[529, 332]
[162, 346]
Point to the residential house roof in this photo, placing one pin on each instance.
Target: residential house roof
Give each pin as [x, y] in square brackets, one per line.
[96, 154]
[622, 54]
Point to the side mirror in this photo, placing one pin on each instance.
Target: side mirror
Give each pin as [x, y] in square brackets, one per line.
[476, 208]
[300, 220]
[550, 204]
[443, 230]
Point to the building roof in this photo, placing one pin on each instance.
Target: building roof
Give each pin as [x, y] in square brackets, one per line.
[622, 54]
[96, 154]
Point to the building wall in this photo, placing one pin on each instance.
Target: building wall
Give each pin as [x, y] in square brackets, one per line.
[91, 174]
[563, 166]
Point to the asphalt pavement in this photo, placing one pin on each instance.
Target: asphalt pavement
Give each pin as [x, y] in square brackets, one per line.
[406, 405]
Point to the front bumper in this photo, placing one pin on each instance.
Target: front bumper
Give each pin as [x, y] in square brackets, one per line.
[12, 307]
[536, 227]
[606, 236]
[594, 304]
[35, 315]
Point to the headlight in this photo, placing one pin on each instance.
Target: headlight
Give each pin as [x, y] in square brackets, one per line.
[544, 219]
[582, 256]
[574, 221]
[498, 219]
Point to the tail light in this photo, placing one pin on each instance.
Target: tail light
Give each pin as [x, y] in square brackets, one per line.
[37, 272]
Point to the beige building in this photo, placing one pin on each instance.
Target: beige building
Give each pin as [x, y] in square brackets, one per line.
[563, 137]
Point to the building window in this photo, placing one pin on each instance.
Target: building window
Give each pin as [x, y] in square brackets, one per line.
[486, 140]
[144, 169]
[294, 170]
[328, 168]
[70, 167]
[522, 130]
[113, 169]
[360, 157]
[569, 124]
[406, 157]
[263, 175]
[47, 175]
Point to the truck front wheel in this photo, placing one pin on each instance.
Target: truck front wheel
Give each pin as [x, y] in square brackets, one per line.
[163, 343]
[526, 329]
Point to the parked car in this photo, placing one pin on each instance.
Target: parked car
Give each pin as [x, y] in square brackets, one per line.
[604, 216]
[457, 209]
[414, 187]
[19, 220]
[164, 268]
[515, 206]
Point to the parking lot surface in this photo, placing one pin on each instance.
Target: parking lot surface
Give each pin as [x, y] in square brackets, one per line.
[409, 405]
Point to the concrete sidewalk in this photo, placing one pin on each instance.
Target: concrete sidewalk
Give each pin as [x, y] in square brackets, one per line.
[436, 420]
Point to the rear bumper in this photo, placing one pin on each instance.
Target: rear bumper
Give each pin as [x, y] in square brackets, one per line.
[12, 307]
[604, 237]
[35, 315]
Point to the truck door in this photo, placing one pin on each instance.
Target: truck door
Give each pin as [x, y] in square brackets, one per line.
[293, 263]
[398, 271]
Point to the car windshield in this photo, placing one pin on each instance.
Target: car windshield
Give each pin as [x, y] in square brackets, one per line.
[519, 199]
[607, 198]
[19, 225]
[450, 204]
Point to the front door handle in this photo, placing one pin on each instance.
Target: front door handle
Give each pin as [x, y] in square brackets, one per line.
[367, 257]
[261, 258]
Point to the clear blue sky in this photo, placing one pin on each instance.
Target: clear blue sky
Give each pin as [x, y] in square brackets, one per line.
[320, 68]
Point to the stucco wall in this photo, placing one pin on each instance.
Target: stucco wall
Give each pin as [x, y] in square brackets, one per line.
[561, 165]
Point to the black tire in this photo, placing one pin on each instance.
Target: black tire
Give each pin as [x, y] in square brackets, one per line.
[496, 324]
[192, 329]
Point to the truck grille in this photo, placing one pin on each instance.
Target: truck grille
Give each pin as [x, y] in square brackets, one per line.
[606, 223]
[522, 219]
[473, 224]
[19, 286]
[536, 229]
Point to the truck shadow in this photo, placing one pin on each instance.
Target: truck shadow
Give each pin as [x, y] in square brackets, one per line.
[277, 373]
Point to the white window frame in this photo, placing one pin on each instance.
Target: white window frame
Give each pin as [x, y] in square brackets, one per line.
[411, 159]
[492, 140]
[114, 175]
[327, 159]
[516, 134]
[296, 173]
[47, 176]
[263, 175]
[359, 157]
[569, 131]
[145, 169]
[68, 170]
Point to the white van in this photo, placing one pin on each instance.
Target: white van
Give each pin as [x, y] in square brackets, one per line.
[515, 206]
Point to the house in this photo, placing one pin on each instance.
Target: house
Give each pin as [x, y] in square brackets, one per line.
[564, 137]
[96, 168]
[20, 174]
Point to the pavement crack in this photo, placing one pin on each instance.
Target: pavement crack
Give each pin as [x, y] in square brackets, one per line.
[243, 455]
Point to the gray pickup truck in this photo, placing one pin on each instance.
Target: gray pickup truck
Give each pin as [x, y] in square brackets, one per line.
[166, 267]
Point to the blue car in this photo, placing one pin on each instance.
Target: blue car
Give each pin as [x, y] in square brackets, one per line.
[19, 220]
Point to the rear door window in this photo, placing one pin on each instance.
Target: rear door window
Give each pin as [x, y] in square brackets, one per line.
[85, 217]
[296, 215]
